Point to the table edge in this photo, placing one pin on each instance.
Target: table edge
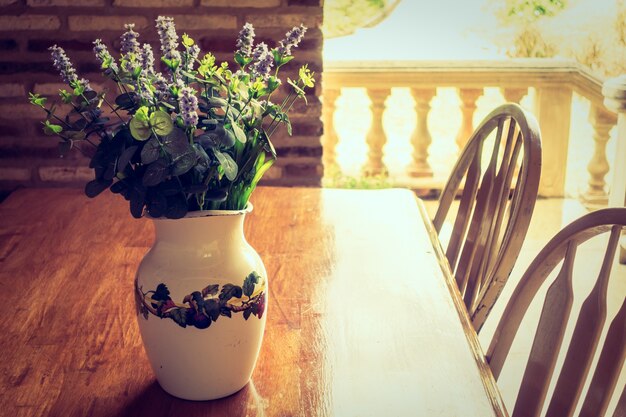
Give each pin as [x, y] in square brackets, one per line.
[489, 383]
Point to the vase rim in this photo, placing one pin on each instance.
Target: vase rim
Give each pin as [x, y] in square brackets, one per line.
[207, 213]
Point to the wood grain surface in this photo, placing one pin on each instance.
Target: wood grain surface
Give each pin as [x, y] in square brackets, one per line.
[364, 318]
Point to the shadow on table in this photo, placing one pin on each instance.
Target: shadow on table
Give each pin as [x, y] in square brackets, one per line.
[153, 401]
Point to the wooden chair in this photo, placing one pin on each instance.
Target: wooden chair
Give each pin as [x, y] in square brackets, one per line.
[490, 225]
[561, 250]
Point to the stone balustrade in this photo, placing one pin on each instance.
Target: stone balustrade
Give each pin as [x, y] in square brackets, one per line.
[554, 82]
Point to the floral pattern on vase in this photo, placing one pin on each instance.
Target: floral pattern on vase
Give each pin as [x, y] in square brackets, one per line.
[201, 308]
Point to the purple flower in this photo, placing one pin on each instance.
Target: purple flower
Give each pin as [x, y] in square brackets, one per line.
[245, 40]
[147, 58]
[193, 52]
[262, 61]
[130, 45]
[188, 103]
[162, 87]
[292, 39]
[63, 64]
[143, 90]
[103, 55]
[168, 37]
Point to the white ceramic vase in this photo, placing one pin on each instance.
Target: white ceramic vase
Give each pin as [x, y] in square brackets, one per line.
[201, 295]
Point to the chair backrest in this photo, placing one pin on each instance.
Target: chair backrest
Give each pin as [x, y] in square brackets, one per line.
[553, 321]
[496, 205]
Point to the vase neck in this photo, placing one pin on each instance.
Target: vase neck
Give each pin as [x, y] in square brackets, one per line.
[200, 230]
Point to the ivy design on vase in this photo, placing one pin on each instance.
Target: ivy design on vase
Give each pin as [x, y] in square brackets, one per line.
[200, 308]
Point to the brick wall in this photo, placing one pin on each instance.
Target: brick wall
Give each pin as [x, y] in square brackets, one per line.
[29, 27]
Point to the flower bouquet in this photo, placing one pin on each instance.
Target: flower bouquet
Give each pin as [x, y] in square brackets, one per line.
[195, 136]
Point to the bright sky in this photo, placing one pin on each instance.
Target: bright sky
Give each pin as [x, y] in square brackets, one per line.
[419, 29]
[443, 29]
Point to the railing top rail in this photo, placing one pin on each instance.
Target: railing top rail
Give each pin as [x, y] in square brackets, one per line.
[506, 73]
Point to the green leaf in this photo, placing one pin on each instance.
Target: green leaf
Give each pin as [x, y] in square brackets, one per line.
[156, 173]
[179, 315]
[210, 290]
[150, 151]
[161, 122]
[75, 134]
[246, 314]
[259, 172]
[37, 100]
[176, 207]
[175, 143]
[227, 163]
[239, 133]
[95, 187]
[162, 293]
[142, 113]
[125, 158]
[217, 102]
[184, 162]
[51, 129]
[187, 41]
[248, 284]
[230, 291]
[127, 101]
[139, 129]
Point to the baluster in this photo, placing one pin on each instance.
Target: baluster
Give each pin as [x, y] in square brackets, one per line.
[602, 121]
[553, 108]
[614, 91]
[330, 139]
[468, 97]
[514, 95]
[421, 139]
[376, 137]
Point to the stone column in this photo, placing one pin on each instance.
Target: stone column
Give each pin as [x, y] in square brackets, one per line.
[421, 139]
[553, 110]
[602, 121]
[329, 139]
[376, 137]
[514, 95]
[614, 91]
[468, 97]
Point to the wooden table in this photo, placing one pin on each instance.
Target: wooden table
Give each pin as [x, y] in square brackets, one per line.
[363, 320]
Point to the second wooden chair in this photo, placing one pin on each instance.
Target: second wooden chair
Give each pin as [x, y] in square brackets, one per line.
[497, 201]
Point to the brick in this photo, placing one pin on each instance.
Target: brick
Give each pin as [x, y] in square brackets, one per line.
[21, 111]
[308, 129]
[74, 3]
[65, 174]
[15, 174]
[22, 67]
[241, 3]
[217, 44]
[42, 45]
[12, 90]
[284, 20]
[96, 23]
[300, 151]
[52, 89]
[11, 130]
[29, 22]
[49, 89]
[8, 45]
[303, 170]
[153, 3]
[205, 22]
[273, 173]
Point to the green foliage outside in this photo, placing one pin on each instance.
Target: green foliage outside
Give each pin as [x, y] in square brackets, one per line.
[343, 17]
[591, 33]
